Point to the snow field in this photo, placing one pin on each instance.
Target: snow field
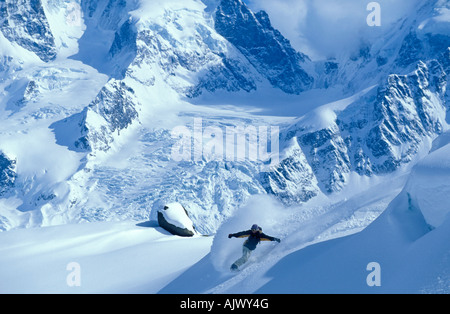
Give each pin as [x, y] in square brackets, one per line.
[115, 257]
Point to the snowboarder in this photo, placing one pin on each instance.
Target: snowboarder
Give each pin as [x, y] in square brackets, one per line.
[254, 235]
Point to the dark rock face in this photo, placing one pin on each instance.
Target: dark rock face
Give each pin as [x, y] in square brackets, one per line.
[176, 211]
[405, 113]
[24, 22]
[293, 180]
[7, 173]
[265, 47]
[113, 111]
[172, 228]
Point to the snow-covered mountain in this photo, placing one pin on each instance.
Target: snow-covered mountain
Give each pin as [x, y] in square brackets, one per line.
[377, 133]
[149, 65]
[91, 92]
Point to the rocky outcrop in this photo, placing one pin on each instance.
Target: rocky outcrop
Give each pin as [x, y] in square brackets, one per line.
[24, 22]
[7, 173]
[293, 180]
[95, 128]
[379, 133]
[265, 47]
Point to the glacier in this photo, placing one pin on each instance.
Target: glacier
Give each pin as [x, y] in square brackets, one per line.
[91, 91]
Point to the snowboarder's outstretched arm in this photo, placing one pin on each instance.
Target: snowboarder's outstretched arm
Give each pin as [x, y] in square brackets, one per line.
[246, 234]
[243, 234]
[265, 237]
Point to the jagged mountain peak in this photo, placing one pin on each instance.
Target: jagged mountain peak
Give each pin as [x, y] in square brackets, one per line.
[265, 47]
[24, 22]
[150, 35]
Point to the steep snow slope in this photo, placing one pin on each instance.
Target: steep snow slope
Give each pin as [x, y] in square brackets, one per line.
[408, 241]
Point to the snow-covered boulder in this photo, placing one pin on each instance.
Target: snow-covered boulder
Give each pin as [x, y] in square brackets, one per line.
[175, 219]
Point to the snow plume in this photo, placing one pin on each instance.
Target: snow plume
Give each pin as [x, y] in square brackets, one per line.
[263, 210]
[326, 28]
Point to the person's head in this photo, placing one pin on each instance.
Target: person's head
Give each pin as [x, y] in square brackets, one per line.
[255, 228]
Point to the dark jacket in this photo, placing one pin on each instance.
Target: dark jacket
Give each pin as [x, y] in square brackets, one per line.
[253, 238]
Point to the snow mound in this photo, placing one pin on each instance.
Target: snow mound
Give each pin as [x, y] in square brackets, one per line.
[175, 219]
[429, 186]
[412, 259]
